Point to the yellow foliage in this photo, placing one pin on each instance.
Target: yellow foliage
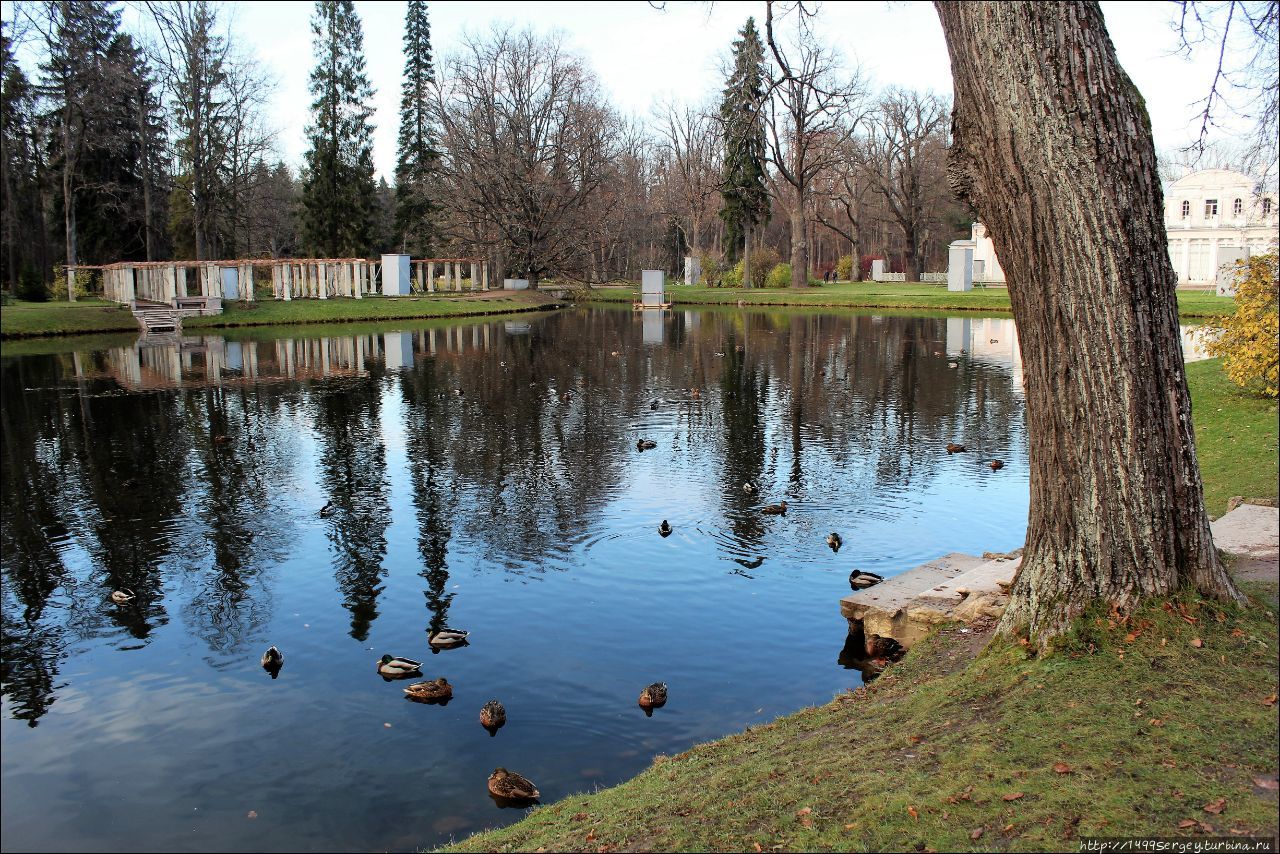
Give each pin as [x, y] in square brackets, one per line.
[1249, 340]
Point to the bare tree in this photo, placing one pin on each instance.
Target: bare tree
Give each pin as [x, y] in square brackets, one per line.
[690, 141]
[1250, 87]
[905, 155]
[813, 112]
[527, 139]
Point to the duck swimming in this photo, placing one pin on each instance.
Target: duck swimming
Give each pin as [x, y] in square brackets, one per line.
[664, 529]
[492, 716]
[779, 509]
[446, 638]
[653, 697]
[834, 540]
[122, 597]
[272, 661]
[511, 786]
[431, 691]
[645, 444]
[953, 448]
[996, 465]
[749, 488]
[392, 667]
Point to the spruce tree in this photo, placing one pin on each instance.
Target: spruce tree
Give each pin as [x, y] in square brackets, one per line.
[338, 192]
[416, 155]
[746, 199]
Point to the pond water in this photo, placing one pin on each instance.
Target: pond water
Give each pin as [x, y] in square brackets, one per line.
[483, 476]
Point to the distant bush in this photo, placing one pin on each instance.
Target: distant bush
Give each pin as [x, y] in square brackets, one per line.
[31, 286]
[762, 261]
[1249, 340]
[844, 268]
[716, 272]
[779, 276]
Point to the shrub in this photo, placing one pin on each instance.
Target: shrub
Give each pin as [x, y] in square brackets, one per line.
[844, 268]
[762, 261]
[779, 276]
[31, 286]
[1247, 341]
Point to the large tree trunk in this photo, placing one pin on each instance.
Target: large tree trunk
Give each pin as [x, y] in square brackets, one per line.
[799, 246]
[1053, 147]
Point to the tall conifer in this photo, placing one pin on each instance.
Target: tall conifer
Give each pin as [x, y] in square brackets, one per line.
[416, 154]
[746, 199]
[339, 194]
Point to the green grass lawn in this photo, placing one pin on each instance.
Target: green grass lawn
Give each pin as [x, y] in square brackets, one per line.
[29, 319]
[22, 319]
[1236, 437]
[885, 295]
[1129, 732]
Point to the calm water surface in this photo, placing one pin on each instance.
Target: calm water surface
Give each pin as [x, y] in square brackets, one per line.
[483, 476]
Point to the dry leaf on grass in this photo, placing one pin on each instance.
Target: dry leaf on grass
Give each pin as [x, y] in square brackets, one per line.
[1013, 796]
[1061, 768]
[913, 813]
[976, 834]
[1268, 783]
[1187, 822]
[1216, 807]
[1197, 643]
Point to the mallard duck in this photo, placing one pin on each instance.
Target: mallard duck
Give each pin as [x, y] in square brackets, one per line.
[431, 691]
[328, 510]
[953, 448]
[221, 440]
[834, 540]
[645, 444]
[884, 648]
[861, 579]
[492, 716]
[664, 529]
[272, 661]
[513, 787]
[779, 509]
[122, 597]
[996, 465]
[654, 696]
[696, 394]
[565, 397]
[459, 392]
[445, 638]
[749, 488]
[394, 668]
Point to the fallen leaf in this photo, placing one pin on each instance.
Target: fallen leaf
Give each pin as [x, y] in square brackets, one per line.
[1013, 796]
[1157, 722]
[851, 825]
[579, 816]
[1197, 643]
[1006, 828]
[1187, 822]
[1268, 783]
[912, 811]
[1269, 701]
[1205, 827]
[1131, 637]
[759, 849]
[252, 814]
[591, 836]
[1061, 768]
[1236, 633]
[975, 834]
[1216, 807]
[804, 811]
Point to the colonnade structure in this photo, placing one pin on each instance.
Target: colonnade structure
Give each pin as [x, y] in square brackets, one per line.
[199, 287]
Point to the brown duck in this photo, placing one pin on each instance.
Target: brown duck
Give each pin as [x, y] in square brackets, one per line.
[953, 448]
[492, 716]
[431, 691]
[653, 697]
[779, 509]
[511, 786]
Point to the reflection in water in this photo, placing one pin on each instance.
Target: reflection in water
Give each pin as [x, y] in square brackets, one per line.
[489, 470]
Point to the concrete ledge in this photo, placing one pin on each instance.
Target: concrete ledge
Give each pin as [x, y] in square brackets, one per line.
[883, 610]
[1249, 530]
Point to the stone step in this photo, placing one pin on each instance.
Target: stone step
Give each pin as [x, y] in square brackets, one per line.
[1249, 530]
[882, 610]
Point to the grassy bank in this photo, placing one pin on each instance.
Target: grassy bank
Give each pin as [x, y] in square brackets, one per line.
[1129, 731]
[24, 320]
[1236, 437]
[885, 295]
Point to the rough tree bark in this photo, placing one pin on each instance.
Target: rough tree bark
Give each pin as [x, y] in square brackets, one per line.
[1052, 145]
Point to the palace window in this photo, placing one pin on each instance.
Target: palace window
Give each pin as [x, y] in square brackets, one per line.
[1186, 209]
[1237, 207]
[1210, 207]
[1266, 207]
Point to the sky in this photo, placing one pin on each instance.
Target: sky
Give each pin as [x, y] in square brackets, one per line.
[644, 54]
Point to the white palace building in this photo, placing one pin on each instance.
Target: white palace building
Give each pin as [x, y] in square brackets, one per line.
[1211, 216]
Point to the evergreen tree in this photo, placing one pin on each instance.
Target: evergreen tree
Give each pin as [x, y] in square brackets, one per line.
[339, 197]
[23, 242]
[416, 155]
[746, 199]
